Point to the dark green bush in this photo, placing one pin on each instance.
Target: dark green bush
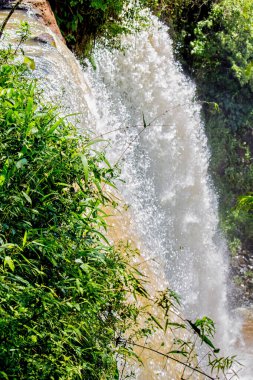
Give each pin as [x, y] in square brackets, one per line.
[81, 21]
[225, 38]
[222, 53]
[182, 16]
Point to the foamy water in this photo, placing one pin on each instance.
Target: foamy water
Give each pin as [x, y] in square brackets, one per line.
[165, 168]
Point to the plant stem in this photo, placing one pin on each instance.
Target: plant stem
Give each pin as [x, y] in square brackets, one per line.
[8, 17]
[176, 360]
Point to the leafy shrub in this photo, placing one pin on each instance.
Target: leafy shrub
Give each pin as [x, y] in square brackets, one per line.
[222, 61]
[83, 21]
[182, 17]
[63, 286]
[226, 38]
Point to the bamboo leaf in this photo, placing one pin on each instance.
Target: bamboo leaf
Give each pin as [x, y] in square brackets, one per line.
[207, 341]
[8, 261]
[156, 321]
[85, 167]
[55, 126]
[29, 62]
[27, 197]
[144, 121]
[24, 239]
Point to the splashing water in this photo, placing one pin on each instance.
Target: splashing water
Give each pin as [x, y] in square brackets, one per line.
[165, 167]
[146, 106]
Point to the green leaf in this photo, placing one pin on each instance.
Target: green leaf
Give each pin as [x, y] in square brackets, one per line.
[4, 375]
[144, 121]
[174, 324]
[86, 167]
[92, 142]
[8, 261]
[177, 352]
[21, 163]
[207, 341]
[29, 62]
[55, 126]
[156, 321]
[34, 338]
[27, 197]
[2, 179]
[8, 246]
[24, 239]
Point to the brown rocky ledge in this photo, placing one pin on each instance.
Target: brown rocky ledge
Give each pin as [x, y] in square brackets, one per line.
[42, 10]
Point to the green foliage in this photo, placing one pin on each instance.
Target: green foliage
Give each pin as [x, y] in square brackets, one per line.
[182, 16]
[81, 21]
[246, 203]
[226, 38]
[63, 286]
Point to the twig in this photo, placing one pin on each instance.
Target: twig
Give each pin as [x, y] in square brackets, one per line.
[9, 16]
[174, 359]
[143, 129]
[123, 370]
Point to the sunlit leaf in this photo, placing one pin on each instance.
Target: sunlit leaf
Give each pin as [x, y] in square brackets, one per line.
[9, 262]
[29, 62]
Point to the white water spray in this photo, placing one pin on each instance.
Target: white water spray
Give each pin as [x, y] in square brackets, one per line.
[165, 168]
[144, 97]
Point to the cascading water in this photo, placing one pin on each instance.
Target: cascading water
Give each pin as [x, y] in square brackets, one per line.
[165, 167]
[140, 99]
[145, 105]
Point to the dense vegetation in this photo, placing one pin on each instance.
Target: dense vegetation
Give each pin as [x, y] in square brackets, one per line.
[82, 21]
[63, 286]
[214, 41]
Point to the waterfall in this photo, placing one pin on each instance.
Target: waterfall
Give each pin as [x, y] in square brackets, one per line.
[165, 165]
[146, 106]
[139, 99]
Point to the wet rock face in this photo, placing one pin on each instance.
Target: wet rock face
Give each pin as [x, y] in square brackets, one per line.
[45, 38]
[42, 10]
[242, 274]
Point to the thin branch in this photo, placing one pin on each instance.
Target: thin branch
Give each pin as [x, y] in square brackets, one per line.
[9, 16]
[174, 359]
[189, 358]
[123, 370]
[143, 129]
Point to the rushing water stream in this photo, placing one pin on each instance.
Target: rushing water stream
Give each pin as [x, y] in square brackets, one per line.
[165, 168]
[140, 99]
[146, 106]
